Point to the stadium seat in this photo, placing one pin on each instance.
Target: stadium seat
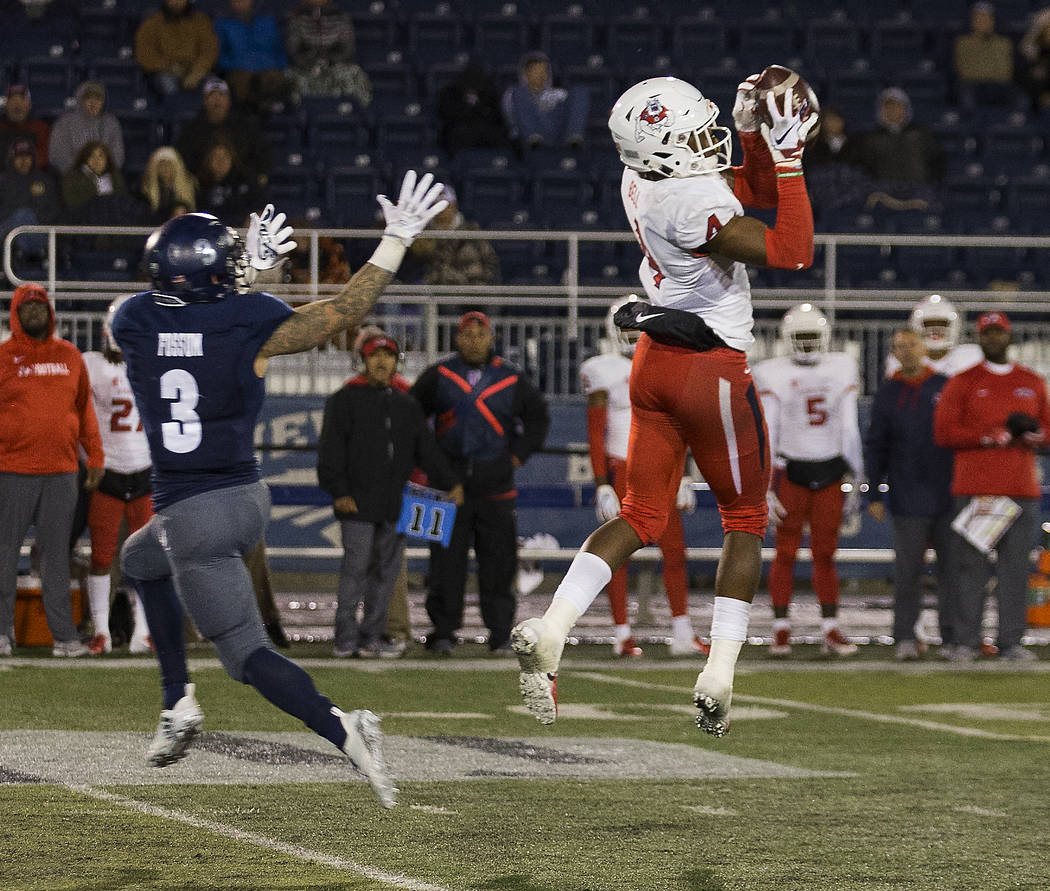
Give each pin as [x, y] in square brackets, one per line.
[333, 139]
[697, 41]
[971, 197]
[1028, 200]
[567, 40]
[761, 41]
[832, 45]
[434, 37]
[898, 44]
[103, 31]
[404, 132]
[487, 195]
[633, 38]
[500, 38]
[290, 183]
[350, 195]
[560, 196]
[393, 84]
[600, 83]
[375, 34]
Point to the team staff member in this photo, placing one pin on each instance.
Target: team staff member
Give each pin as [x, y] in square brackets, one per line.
[489, 419]
[994, 415]
[45, 416]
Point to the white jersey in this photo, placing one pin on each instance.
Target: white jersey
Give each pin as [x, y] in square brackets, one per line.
[957, 359]
[811, 410]
[124, 442]
[671, 218]
[611, 372]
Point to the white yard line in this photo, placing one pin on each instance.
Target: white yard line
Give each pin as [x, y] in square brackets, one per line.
[393, 880]
[828, 710]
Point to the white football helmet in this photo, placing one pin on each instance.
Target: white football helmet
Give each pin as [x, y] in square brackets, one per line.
[666, 125]
[619, 340]
[108, 343]
[806, 332]
[937, 321]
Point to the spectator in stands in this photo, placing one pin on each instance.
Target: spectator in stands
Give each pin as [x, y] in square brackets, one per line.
[372, 437]
[490, 419]
[899, 449]
[47, 417]
[16, 123]
[994, 416]
[830, 163]
[220, 121]
[1035, 50]
[320, 43]
[93, 175]
[983, 61]
[455, 261]
[251, 56]
[225, 187]
[88, 122]
[469, 113]
[333, 267]
[176, 46]
[28, 197]
[167, 186]
[540, 114]
[903, 157]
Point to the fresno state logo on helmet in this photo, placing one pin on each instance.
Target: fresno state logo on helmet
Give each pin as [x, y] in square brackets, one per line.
[653, 119]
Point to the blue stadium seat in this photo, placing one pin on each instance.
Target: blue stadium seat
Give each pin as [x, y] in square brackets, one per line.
[487, 195]
[499, 38]
[854, 93]
[762, 41]
[103, 31]
[333, 139]
[404, 132]
[922, 265]
[971, 197]
[634, 39]
[434, 37]
[143, 132]
[697, 40]
[1028, 200]
[559, 197]
[350, 195]
[862, 263]
[375, 35]
[285, 132]
[898, 44]
[987, 264]
[393, 84]
[567, 40]
[832, 45]
[291, 183]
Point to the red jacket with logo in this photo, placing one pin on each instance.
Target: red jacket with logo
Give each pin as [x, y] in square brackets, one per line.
[45, 404]
[975, 403]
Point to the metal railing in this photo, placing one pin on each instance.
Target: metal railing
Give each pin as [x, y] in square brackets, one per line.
[548, 329]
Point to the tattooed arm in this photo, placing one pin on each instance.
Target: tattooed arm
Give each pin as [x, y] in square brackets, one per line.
[314, 323]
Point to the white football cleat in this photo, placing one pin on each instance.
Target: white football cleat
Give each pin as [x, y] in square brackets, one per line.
[364, 748]
[538, 655]
[712, 696]
[179, 726]
[140, 645]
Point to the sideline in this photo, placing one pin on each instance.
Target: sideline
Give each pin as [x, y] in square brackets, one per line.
[394, 880]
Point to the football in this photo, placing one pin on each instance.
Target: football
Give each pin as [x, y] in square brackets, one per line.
[777, 78]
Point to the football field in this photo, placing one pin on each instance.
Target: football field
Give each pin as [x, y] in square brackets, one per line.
[836, 775]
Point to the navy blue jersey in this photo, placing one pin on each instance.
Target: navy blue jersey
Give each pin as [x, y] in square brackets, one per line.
[197, 393]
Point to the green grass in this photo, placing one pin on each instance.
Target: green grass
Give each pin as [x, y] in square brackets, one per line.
[922, 807]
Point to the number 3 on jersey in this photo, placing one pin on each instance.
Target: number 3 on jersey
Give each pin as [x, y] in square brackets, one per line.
[183, 433]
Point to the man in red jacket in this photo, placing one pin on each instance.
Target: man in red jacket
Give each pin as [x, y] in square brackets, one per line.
[45, 414]
[994, 416]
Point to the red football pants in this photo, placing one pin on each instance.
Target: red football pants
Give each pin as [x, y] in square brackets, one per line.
[705, 401]
[672, 548]
[104, 516]
[823, 510]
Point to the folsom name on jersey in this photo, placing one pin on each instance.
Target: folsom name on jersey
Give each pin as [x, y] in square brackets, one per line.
[177, 343]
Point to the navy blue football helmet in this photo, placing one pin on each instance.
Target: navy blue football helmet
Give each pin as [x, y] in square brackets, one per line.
[193, 259]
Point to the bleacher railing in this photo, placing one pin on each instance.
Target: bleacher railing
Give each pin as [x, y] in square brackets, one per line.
[548, 329]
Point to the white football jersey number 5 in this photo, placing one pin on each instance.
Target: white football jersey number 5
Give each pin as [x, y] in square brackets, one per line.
[183, 433]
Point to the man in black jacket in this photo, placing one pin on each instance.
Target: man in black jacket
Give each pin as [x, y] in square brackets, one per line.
[372, 437]
[488, 419]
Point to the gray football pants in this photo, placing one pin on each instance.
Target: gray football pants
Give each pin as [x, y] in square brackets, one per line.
[48, 502]
[200, 543]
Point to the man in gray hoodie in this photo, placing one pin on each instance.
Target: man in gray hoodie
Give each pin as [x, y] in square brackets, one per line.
[83, 124]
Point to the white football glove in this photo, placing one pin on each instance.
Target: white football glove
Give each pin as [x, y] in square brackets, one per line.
[787, 135]
[416, 206]
[267, 242]
[685, 500]
[606, 503]
[851, 519]
[745, 117]
[777, 511]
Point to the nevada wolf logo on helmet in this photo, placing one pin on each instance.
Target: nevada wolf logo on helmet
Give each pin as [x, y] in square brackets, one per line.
[652, 119]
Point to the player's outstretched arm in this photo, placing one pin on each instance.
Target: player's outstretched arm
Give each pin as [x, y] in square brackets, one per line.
[313, 324]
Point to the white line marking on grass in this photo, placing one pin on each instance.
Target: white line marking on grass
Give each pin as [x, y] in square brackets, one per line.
[979, 811]
[432, 809]
[830, 710]
[710, 811]
[394, 880]
[476, 716]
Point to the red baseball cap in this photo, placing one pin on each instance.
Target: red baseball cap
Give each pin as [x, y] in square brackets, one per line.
[993, 319]
[378, 342]
[474, 318]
